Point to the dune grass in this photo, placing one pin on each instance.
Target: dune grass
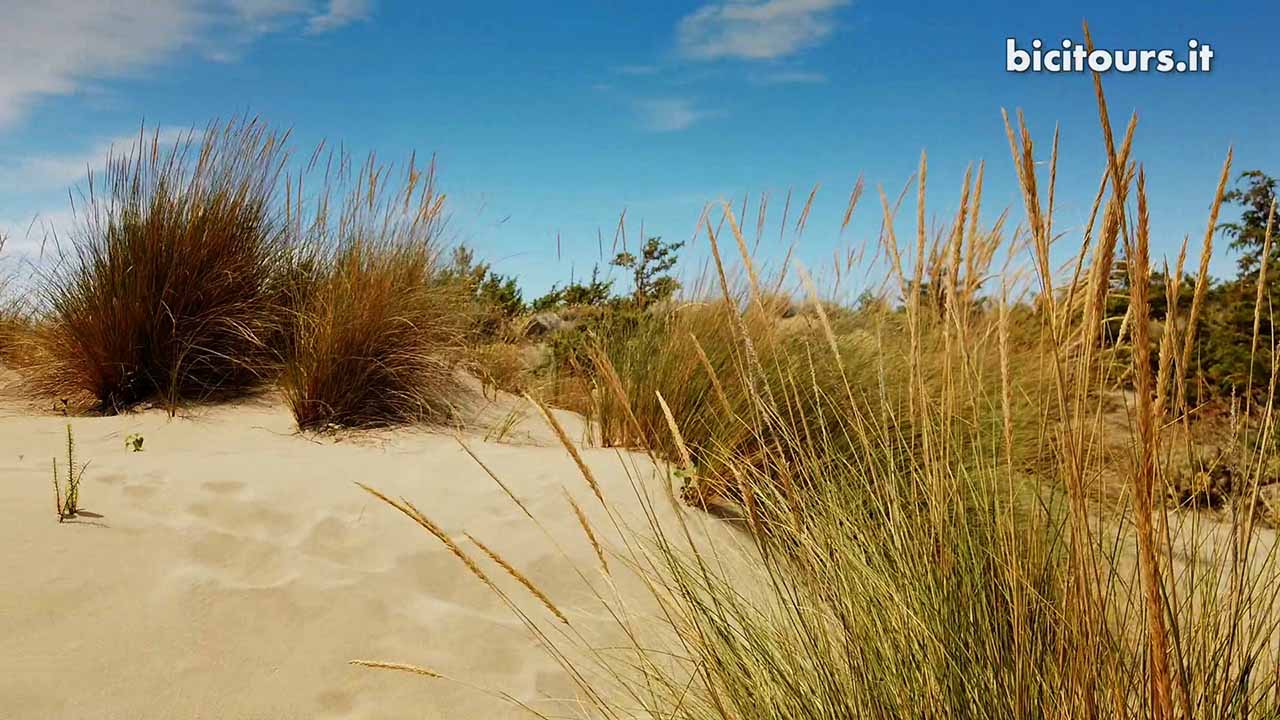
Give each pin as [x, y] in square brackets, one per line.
[924, 573]
[168, 291]
[706, 365]
[380, 334]
[193, 276]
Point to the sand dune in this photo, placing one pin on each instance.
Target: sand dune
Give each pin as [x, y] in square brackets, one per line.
[235, 568]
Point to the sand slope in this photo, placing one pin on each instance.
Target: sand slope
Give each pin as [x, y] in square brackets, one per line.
[236, 568]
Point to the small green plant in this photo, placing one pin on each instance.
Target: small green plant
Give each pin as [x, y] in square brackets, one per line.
[68, 505]
[133, 443]
[593, 293]
[649, 270]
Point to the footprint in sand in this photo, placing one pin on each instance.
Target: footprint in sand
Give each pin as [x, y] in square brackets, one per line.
[223, 487]
[243, 517]
[139, 492]
[336, 701]
[234, 561]
[331, 539]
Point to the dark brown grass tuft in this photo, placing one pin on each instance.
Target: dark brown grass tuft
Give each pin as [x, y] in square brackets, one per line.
[169, 289]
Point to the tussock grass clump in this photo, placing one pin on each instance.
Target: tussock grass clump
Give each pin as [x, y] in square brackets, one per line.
[382, 330]
[169, 290]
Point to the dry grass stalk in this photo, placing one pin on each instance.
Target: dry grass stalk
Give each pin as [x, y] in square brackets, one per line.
[586, 528]
[890, 242]
[1144, 477]
[570, 447]
[853, 203]
[1006, 385]
[745, 254]
[520, 578]
[401, 667]
[685, 458]
[1202, 277]
[1168, 335]
[711, 375]
[1262, 284]
[804, 214]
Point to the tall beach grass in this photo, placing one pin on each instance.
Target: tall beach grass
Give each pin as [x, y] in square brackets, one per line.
[381, 332]
[167, 291]
[902, 560]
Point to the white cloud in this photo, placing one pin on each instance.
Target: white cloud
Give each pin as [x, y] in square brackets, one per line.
[60, 170]
[339, 14]
[35, 234]
[51, 47]
[57, 47]
[670, 114]
[35, 237]
[755, 29]
[265, 15]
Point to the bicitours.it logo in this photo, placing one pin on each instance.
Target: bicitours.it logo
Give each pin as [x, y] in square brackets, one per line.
[1070, 56]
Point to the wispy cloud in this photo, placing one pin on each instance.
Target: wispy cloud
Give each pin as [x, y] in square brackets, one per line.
[49, 176]
[29, 239]
[671, 114]
[60, 170]
[790, 77]
[264, 16]
[51, 48]
[57, 47]
[755, 29]
[339, 14]
[638, 70]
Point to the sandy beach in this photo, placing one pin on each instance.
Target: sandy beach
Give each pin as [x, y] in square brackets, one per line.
[232, 568]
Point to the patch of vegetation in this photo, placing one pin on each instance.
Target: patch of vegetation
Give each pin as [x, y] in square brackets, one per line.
[380, 337]
[68, 501]
[169, 292]
[498, 297]
[593, 293]
[903, 563]
[651, 281]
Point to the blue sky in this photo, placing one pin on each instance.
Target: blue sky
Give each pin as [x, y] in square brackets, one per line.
[550, 119]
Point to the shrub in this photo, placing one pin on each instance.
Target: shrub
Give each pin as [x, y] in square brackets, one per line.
[593, 293]
[650, 280]
[497, 297]
[378, 338]
[170, 289]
